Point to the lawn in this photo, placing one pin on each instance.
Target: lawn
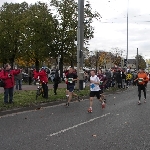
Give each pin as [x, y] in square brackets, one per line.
[28, 98]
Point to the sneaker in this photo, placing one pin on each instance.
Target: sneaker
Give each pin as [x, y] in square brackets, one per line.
[90, 110]
[104, 100]
[103, 105]
[139, 103]
[67, 104]
[144, 100]
[78, 99]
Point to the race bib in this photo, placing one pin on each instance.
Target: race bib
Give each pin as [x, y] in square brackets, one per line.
[70, 80]
[140, 80]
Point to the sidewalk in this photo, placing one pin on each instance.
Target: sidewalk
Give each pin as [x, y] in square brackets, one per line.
[34, 87]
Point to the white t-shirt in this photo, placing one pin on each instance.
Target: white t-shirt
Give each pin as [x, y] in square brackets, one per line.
[94, 87]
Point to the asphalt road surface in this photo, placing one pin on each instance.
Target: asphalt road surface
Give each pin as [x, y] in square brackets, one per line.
[122, 125]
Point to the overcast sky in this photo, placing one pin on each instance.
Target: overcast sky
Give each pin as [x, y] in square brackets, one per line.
[111, 31]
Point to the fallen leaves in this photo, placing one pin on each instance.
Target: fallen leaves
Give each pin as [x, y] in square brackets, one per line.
[39, 108]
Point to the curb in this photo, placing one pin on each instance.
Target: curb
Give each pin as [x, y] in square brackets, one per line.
[48, 104]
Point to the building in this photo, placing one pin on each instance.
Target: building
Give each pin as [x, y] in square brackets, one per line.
[131, 63]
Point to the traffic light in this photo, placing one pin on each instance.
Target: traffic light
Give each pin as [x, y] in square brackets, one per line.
[125, 62]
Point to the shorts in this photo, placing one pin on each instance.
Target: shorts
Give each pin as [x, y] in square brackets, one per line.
[67, 87]
[95, 93]
[71, 88]
[101, 91]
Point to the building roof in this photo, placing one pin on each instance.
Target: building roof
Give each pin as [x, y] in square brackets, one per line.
[131, 61]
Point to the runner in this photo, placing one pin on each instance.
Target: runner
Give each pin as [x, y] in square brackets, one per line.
[94, 90]
[71, 77]
[102, 84]
[142, 80]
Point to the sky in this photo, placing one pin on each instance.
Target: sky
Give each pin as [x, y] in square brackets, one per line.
[111, 30]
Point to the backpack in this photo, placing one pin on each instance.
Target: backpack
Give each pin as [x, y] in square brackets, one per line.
[2, 83]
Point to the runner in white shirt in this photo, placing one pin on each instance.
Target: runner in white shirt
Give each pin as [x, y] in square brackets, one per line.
[94, 90]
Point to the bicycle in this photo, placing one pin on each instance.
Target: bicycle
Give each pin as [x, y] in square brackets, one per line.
[39, 90]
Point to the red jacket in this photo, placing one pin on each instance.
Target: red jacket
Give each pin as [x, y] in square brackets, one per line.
[35, 74]
[9, 81]
[43, 76]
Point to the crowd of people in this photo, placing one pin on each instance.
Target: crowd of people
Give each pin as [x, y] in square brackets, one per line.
[100, 81]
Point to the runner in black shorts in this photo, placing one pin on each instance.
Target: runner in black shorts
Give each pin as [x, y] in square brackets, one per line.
[94, 90]
[71, 77]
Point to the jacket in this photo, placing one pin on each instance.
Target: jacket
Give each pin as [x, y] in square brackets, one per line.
[18, 76]
[57, 78]
[43, 76]
[9, 81]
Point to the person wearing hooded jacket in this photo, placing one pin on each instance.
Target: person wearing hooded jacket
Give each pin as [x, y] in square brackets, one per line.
[7, 75]
[44, 80]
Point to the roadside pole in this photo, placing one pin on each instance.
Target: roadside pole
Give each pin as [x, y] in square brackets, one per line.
[80, 41]
[137, 60]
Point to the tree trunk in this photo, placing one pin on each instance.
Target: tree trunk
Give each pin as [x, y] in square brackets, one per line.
[11, 61]
[61, 67]
[37, 65]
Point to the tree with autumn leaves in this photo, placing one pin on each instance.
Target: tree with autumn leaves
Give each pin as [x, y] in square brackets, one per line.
[102, 58]
[34, 33]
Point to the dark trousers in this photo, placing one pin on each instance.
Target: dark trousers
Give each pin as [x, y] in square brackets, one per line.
[30, 80]
[8, 91]
[141, 87]
[19, 83]
[45, 90]
[55, 87]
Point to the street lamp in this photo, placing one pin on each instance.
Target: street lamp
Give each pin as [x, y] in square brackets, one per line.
[127, 30]
[80, 40]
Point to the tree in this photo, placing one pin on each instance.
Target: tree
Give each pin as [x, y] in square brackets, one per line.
[117, 53]
[141, 62]
[38, 33]
[11, 28]
[66, 29]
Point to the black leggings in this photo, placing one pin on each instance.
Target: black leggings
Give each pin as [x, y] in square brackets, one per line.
[141, 87]
[45, 90]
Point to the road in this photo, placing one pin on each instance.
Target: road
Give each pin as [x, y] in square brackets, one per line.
[122, 125]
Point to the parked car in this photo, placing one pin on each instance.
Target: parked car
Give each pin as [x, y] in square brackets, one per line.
[25, 77]
[51, 76]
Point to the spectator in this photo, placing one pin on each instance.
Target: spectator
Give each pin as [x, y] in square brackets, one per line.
[18, 80]
[30, 75]
[8, 76]
[56, 81]
[44, 80]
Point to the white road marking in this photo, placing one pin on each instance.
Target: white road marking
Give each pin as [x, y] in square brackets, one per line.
[75, 126]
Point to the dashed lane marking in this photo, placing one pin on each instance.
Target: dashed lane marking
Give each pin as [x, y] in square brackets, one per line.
[75, 126]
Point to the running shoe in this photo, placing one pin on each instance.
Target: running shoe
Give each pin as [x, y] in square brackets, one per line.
[144, 100]
[103, 105]
[139, 103]
[67, 104]
[104, 100]
[78, 99]
[90, 110]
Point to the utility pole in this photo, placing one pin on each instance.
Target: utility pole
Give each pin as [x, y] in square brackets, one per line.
[137, 60]
[80, 41]
[127, 32]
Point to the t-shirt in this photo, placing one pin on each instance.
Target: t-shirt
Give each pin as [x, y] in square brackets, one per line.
[142, 78]
[94, 87]
[70, 77]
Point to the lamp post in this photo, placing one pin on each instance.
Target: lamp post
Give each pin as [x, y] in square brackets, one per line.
[127, 31]
[80, 40]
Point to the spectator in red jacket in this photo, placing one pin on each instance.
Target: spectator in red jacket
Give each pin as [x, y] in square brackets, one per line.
[44, 80]
[7, 75]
